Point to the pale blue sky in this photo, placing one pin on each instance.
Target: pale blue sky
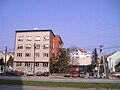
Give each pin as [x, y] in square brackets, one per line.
[82, 23]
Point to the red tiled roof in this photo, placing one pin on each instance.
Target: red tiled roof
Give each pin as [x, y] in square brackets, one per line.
[1, 52]
[8, 53]
[105, 56]
[82, 50]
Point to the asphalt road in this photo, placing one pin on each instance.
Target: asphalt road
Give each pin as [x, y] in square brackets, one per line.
[61, 79]
[7, 87]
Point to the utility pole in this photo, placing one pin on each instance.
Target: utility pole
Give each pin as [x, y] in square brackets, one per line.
[34, 60]
[102, 55]
[5, 59]
[99, 65]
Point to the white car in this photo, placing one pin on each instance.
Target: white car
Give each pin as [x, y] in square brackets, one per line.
[29, 73]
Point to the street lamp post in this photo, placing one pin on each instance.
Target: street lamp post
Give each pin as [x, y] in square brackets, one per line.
[107, 71]
[34, 61]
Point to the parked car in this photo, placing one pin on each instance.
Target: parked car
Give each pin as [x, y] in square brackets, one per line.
[46, 73]
[29, 73]
[97, 76]
[74, 74]
[115, 74]
[18, 73]
[102, 76]
[68, 74]
[81, 75]
[39, 74]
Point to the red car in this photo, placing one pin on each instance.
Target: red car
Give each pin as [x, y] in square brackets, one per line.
[75, 74]
[115, 74]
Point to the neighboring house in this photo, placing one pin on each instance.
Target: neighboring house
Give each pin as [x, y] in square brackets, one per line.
[1, 54]
[34, 48]
[81, 59]
[8, 55]
[113, 61]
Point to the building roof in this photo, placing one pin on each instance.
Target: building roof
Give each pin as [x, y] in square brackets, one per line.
[107, 55]
[82, 50]
[59, 38]
[2, 52]
[36, 31]
[8, 53]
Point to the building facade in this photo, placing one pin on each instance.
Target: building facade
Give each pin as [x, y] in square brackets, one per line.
[80, 59]
[33, 50]
[6, 56]
[113, 60]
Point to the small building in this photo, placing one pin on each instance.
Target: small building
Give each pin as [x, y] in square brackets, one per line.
[1, 69]
[80, 59]
[113, 61]
[8, 55]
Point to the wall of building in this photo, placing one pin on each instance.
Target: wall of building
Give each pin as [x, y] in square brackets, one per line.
[42, 61]
[112, 60]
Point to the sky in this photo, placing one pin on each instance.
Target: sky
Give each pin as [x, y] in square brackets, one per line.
[85, 24]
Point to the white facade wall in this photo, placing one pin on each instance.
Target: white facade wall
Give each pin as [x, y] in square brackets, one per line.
[80, 58]
[113, 60]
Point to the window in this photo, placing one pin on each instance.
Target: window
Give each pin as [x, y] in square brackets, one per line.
[29, 38]
[76, 50]
[37, 38]
[45, 54]
[18, 63]
[19, 54]
[37, 46]
[40, 64]
[85, 54]
[45, 46]
[27, 54]
[27, 63]
[20, 38]
[28, 46]
[37, 55]
[77, 57]
[20, 47]
[37, 64]
[45, 64]
[46, 38]
[76, 53]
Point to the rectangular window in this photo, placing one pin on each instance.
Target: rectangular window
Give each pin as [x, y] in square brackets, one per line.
[29, 38]
[18, 63]
[37, 64]
[27, 54]
[46, 38]
[37, 46]
[27, 63]
[37, 38]
[45, 64]
[46, 46]
[37, 55]
[28, 46]
[19, 54]
[20, 38]
[45, 54]
[76, 53]
[20, 46]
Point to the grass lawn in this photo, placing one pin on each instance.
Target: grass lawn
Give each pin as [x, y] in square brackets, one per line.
[62, 84]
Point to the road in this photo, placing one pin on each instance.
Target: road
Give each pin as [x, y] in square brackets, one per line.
[60, 79]
[17, 87]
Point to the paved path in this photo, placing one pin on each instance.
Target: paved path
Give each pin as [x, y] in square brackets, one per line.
[18, 87]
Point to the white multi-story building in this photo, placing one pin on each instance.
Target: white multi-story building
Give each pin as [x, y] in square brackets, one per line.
[80, 58]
